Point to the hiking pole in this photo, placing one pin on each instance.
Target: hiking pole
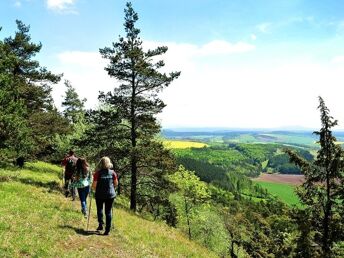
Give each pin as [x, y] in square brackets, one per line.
[112, 214]
[89, 211]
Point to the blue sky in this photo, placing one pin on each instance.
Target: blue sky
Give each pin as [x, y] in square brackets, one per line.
[249, 64]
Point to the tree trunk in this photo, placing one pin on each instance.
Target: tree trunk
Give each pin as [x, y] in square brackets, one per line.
[133, 161]
[187, 217]
[327, 217]
[133, 182]
[119, 186]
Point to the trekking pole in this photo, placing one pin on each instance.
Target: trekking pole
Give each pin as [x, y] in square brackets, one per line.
[112, 214]
[89, 211]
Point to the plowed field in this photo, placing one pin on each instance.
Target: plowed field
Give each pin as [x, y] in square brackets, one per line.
[281, 178]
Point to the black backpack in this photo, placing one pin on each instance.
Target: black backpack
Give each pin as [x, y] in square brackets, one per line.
[70, 167]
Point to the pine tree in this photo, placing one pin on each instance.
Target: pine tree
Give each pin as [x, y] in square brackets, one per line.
[32, 82]
[27, 87]
[74, 108]
[136, 99]
[321, 191]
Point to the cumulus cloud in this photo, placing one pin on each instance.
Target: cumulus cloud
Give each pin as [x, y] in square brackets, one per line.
[226, 95]
[220, 47]
[338, 60]
[66, 6]
[212, 48]
[85, 71]
[80, 58]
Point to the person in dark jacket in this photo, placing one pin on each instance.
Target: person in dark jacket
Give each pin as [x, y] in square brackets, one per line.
[68, 164]
[104, 182]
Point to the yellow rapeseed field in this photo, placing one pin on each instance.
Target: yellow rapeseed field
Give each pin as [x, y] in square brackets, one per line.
[183, 144]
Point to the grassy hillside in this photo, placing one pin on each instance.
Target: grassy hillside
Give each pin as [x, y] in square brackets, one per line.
[38, 221]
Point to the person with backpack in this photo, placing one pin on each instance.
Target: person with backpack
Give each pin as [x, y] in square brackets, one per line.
[69, 168]
[104, 182]
[82, 181]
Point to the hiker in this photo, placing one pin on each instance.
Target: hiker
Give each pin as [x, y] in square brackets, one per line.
[82, 181]
[104, 182]
[69, 168]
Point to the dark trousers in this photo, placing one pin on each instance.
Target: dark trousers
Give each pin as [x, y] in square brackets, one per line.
[108, 205]
[68, 189]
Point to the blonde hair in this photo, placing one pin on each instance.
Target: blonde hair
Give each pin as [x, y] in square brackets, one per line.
[105, 163]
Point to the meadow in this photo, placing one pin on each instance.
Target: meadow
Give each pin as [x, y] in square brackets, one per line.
[284, 192]
[38, 221]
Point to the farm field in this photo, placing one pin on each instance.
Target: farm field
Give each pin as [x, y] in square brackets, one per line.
[246, 153]
[280, 178]
[183, 144]
[284, 192]
[282, 186]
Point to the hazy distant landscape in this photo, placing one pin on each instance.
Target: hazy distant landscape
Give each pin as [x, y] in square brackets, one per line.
[255, 154]
[296, 138]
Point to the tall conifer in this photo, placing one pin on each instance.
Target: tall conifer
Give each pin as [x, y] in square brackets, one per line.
[136, 99]
[321, 191]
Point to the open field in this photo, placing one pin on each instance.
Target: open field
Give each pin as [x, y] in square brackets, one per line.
[281, 185]
[183, 144]
[281, 178]
[284, 192]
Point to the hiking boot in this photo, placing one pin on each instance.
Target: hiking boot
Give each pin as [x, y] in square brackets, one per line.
[107, 232]
[100, 227]
[84, 213]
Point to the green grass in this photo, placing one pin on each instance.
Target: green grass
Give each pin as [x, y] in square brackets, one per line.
[38, 221]
[284, 192]
[265, 164]
[307, 140]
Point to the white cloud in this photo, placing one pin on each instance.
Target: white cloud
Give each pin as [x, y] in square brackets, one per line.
[338, 60]
[83, 59]
[264, 27]
[253, 96]
[268, 27]
[253, 37]
[212, 48]
[17, 4]
[220, 47]
[85, 70]
[61, 5]
[227, 95]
